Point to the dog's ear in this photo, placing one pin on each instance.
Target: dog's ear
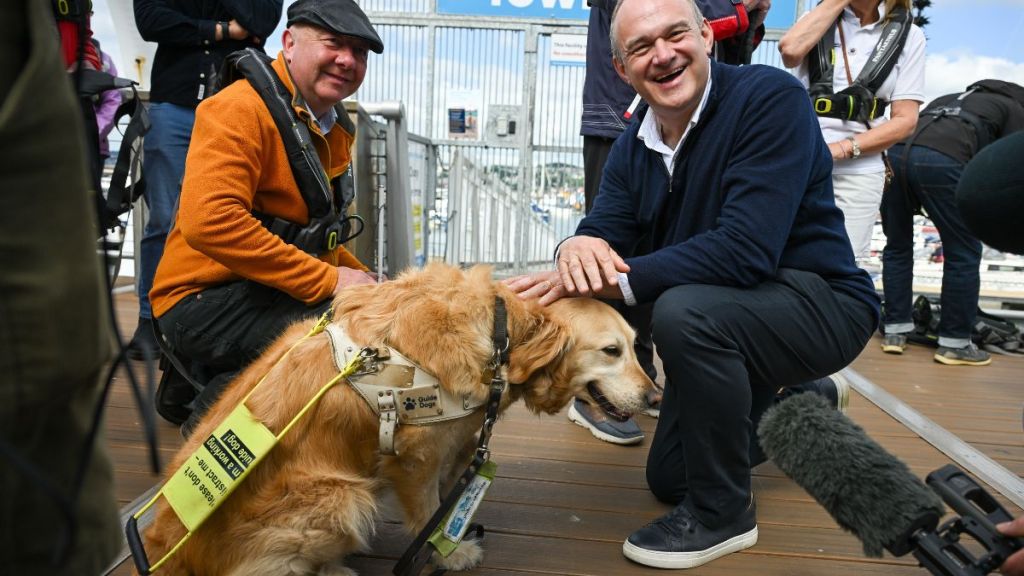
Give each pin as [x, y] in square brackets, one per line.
[539, 364]
[538, 340]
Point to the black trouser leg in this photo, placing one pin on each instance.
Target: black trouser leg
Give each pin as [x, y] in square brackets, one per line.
[222, 329]
[226, 327]
[595, 154]
[725, 352]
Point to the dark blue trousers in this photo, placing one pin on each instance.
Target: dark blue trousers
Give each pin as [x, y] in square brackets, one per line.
[726, 352]
[932, 177]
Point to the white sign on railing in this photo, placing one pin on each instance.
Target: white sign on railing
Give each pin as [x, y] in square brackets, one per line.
[568, 50]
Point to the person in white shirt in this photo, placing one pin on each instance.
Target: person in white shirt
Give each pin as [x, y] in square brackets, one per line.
[857, 143]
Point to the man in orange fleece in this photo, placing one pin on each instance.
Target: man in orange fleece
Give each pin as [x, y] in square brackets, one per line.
[226, 285]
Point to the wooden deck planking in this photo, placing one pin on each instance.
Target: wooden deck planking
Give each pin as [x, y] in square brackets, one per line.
[564, 501]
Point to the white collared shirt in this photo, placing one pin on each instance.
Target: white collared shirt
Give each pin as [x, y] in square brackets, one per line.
[650, 134]
[327, 121]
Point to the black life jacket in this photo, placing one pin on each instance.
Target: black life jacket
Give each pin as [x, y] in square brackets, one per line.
[728, 18]
[857, 101]
[327, 202]
[984, 132]
[955, 110]
[735, 39]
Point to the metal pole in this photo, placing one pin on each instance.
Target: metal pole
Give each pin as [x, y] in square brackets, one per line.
[382, 202]
[526, 155]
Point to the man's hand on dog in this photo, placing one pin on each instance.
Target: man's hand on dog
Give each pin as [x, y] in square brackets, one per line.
[351, 277]
[587, 266]
[547, 286]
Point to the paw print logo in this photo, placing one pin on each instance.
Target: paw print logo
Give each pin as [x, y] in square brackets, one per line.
[410, 404]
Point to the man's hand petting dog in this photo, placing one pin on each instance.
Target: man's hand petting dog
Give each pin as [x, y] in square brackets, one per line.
[545, 286]
[352, 277]
[587, 266]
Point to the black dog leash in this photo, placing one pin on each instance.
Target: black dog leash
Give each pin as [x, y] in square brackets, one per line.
[419, 551]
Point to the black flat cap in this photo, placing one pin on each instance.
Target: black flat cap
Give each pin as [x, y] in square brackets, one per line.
[339, 16]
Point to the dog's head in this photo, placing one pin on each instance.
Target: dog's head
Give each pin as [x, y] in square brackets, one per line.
[580, 347]
[443, 318]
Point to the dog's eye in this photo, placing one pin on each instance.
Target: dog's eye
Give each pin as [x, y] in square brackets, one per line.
[612, 351]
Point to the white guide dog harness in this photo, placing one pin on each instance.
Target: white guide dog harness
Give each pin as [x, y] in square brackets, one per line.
[398, 390]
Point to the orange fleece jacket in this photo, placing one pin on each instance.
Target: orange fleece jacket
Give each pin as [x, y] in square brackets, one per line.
[237, 163]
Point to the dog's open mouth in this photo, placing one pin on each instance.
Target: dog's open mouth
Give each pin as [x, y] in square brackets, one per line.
[605, 405]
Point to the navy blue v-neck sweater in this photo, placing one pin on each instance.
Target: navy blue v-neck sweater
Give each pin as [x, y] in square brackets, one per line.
[751, 192]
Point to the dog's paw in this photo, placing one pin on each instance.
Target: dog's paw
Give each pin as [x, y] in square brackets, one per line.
[467, 555]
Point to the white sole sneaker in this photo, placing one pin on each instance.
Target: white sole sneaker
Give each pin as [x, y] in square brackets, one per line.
[579, 420]
[842, 390]
[677, 560]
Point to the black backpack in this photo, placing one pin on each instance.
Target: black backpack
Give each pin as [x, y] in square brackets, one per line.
[996, 334]
[990, 332]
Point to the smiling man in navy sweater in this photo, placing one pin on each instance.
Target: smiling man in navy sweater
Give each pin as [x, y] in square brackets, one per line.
[752, 276]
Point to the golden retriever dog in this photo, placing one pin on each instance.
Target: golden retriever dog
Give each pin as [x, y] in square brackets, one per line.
[314, 498]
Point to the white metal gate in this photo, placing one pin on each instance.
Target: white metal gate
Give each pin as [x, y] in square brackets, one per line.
[509, 186]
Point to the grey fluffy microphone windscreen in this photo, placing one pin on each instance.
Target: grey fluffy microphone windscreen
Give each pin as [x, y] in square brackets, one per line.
[867, 490]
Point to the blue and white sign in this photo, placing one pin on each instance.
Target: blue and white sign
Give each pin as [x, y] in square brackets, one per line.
[546, 9]
[568, 50]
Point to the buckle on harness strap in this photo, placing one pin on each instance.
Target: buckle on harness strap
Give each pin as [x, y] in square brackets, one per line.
[822, 105]
[388, 422]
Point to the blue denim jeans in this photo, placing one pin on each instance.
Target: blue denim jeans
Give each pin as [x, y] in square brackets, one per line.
[933, 178]
[165, 148]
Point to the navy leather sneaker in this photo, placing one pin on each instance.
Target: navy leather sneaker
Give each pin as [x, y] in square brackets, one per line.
[603, 426]
[679, 540]
[835, 389]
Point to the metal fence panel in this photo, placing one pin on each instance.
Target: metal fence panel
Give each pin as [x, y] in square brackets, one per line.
[401, 73]
[489, 195]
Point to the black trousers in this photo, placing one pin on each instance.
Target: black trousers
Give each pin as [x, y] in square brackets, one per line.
[226, 327]
[726, 351]
[595, 154]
